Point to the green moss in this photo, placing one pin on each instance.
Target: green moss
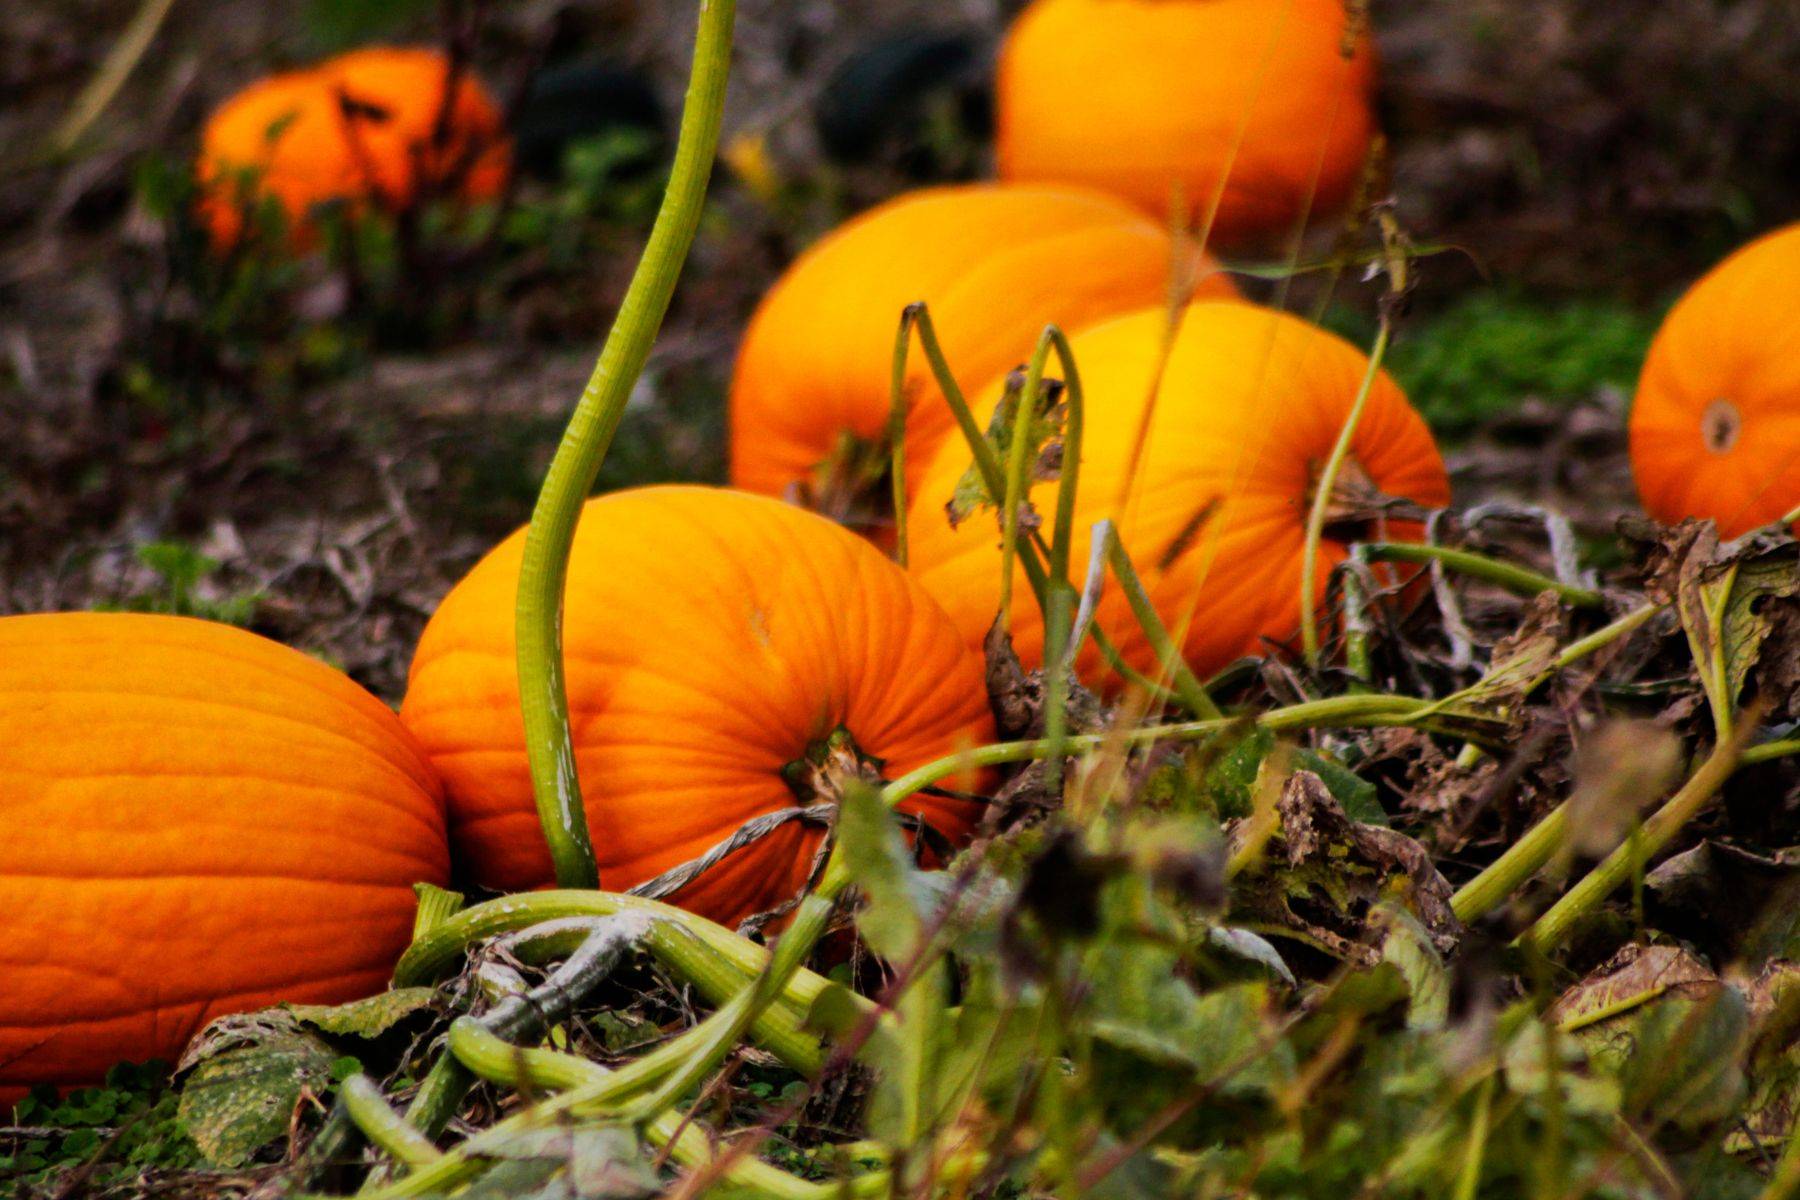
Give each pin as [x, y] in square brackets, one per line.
[1478, 359]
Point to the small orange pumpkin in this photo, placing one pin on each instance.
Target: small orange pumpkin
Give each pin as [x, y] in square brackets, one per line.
[996, 264]
[1214, 516]
[360, 128]
[713, 640]
[1715, 426]
[198, 821]
[1262, 103]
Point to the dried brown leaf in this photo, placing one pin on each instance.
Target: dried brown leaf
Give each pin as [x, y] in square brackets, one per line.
[1326, 876]
[1634, 976]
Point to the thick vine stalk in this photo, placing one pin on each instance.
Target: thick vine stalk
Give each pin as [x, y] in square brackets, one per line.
[715, 960]
[1555, 925]
[688, 1143]
[386, 1129]
[544, 572]
[604, 942]
[1508, 873]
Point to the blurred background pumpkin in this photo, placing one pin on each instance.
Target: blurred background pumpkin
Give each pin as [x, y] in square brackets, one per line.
[995, 263]
[1254, 114]
[1715, 426]
[374, 129]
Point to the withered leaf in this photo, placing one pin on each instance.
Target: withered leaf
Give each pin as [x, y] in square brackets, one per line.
[1764, 588]
[243, 1076]
[1671, 1033]
[1632, 977]
[1728, 599]
[1044, 454]
[1326, 875]
[1521, 659]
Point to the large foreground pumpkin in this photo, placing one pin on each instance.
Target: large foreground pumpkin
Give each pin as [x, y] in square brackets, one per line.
[1715, 427]
[362, 128]
[197, 821]
[1264, 104]
[1214, 515]
[995, 264]
[712, 639]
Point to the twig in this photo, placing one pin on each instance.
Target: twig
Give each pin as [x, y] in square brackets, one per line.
[1193, 694]
[1508, 575]
[115, 69]
[1321, 501]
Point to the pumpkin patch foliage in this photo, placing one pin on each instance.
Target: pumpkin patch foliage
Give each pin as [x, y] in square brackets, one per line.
[1100, 744]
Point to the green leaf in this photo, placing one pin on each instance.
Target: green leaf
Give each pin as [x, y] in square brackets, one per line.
[892, 920]
[905, 1103]
[834, 1012]
[1156, 1014]
[244, 1075]
[1355, 793]
[1542, 1062]
[367, 1018]
[1139, 1175]
[1157, 1041]
[1409, 948]
[1230, 783]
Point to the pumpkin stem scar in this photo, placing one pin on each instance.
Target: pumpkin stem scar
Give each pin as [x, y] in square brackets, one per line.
[1721, 425]
[829, 767]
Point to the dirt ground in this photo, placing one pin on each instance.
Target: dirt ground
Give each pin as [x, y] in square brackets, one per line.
[1565, 147]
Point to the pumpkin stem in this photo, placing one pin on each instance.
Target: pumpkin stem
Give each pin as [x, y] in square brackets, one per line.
[1720, 425]
[848, 485]
[1356, 509]
[831, 766]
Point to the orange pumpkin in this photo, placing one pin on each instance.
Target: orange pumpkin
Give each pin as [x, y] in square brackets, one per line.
[1264, 104]
[360, 128]
[712, 639]
[1715, 427]
[996, 264]
[198, 821]
[1214, 515]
